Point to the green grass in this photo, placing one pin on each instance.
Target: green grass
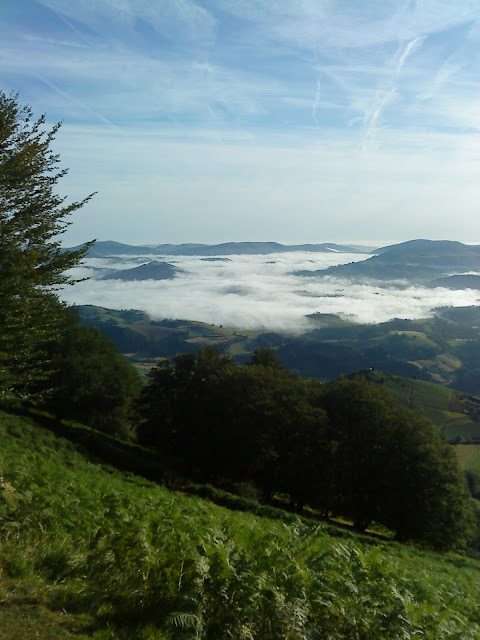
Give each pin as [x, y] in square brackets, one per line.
[456, 414]
[469, 457]
[421, 339]
[89, 551]
[460, 427]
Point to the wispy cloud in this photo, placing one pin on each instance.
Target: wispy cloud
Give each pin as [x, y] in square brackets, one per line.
[407, 51]
[386, 96]
[258, 118]
[316, 103]
[180, 18]
[372, 118]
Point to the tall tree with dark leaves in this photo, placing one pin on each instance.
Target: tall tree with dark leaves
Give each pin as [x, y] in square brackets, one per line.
[32, 263]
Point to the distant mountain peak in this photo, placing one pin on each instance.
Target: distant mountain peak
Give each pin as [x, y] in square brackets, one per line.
[417, 261]
[420, 244]
[154, 270]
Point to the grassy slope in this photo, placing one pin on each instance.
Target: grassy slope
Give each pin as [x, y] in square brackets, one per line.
[456, 414]
[89, 552]
[469, 457]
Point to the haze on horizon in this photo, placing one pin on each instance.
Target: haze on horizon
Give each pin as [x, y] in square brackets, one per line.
[212, 121]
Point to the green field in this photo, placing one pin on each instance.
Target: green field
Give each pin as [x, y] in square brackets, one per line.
[89, 552]
[417, 337]
[469, 457]
[456, 414]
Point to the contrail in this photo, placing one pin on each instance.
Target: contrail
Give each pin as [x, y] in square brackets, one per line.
[72, 27]
[407, 51]
[387, 96]
[381, 104]
[64, 94]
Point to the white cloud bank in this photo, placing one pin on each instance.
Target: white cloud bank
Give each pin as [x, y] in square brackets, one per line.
[260, 292]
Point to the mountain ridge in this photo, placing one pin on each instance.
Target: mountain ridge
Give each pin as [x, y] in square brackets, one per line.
[419, 261]
[106, 248]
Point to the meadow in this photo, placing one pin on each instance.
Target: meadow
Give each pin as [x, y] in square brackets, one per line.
[88, 551]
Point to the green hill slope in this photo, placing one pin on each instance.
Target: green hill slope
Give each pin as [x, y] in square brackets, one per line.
[456, 414]
[89, 552]
[442, 349]
[419, 261]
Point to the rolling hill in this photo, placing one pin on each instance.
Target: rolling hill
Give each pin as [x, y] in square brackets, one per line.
[154, 270]
[444, 349]
[416, 261]
[110, 248]
[456, 414]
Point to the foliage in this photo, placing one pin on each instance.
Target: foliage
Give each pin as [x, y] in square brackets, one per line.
[224, 421]
[177, 409]
[391, 466]
[114, 556]
[32, 217]
[348, 449]
[266, 357]
[92, 382]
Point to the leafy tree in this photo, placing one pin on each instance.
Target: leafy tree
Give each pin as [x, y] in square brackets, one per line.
[252, 423]
[276, 430]
[176, 408]
[391, 466]
[92, 383]
[266, 357]
[429, 494]
[360, 421]
[33, 265]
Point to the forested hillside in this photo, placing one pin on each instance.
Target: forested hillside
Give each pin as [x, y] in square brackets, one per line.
[443, 349]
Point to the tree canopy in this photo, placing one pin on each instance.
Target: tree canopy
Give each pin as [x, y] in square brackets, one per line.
[33, 265]
[91, 382]
[344, 449]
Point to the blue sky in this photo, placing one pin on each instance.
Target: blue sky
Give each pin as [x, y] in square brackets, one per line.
[216, 120]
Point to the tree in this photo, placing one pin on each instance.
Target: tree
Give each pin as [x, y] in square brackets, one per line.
[176, 409]
[253, 423]
[431, 502]
[266, 357]
[92, 382]
[32, 263]
[392, 467]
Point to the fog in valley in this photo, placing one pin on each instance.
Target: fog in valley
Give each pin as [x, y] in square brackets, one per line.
[257, 291]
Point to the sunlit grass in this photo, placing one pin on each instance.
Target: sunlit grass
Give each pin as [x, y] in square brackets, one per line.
[84, 547]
